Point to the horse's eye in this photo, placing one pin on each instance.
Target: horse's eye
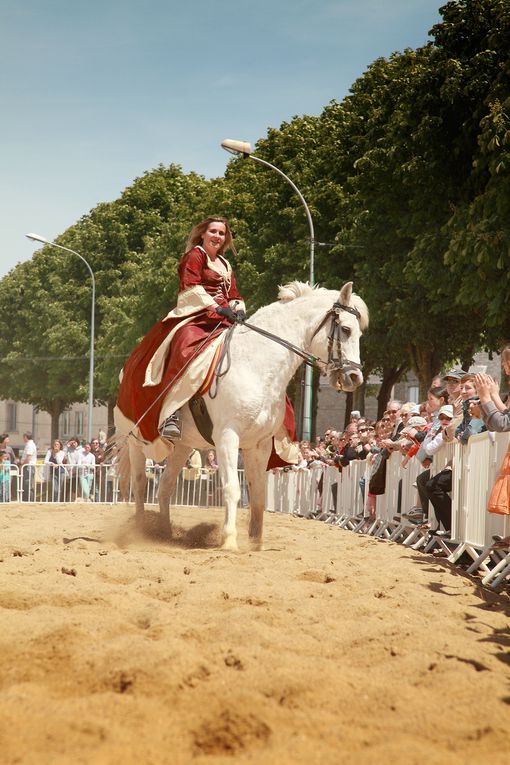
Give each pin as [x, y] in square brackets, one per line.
[346, 331]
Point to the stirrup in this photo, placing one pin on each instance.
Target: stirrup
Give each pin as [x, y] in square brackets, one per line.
[170, 429]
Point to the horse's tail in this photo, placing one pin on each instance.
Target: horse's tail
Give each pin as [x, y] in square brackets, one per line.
[122, 462]
[124, 468]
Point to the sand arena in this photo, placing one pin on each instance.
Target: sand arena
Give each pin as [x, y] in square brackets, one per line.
[327, 647]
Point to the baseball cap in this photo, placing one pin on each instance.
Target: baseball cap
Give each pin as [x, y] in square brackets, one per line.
[446, 410]
[415, 422]
[454, 374]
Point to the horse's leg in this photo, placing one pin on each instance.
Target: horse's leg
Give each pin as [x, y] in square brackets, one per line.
[176, 462]
[138, 477]
[255, 464]
[227, 450]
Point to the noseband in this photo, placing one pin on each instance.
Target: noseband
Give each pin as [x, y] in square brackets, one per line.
[338, 362]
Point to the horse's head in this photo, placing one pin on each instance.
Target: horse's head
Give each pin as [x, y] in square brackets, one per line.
[344, 323]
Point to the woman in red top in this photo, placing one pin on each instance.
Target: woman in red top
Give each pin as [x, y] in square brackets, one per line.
[207, 303]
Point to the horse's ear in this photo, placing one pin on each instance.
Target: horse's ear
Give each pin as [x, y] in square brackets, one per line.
[345, 293]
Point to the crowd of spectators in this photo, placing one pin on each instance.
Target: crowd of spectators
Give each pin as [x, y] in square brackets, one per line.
[70, 467]
[458, 405]
[72, 470]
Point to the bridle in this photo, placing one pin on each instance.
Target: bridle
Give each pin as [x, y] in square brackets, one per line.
[333, 364]
[340, 362]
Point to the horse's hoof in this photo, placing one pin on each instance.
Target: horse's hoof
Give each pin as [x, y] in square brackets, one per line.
[256, 545]
[164, 526]
[230, 544]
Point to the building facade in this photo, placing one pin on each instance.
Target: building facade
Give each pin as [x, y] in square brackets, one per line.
[17, 418]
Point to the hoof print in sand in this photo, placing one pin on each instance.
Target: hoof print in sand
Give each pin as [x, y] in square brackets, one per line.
[230, 733]
[313, 575]
[233, 661]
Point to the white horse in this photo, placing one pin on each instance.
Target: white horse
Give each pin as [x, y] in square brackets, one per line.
[249, 405]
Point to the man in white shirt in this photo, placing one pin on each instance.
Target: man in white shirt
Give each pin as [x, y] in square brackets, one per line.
[28, 462]
[73, 451]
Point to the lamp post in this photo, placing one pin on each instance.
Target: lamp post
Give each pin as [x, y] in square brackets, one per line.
[244, 149]
[43, 240]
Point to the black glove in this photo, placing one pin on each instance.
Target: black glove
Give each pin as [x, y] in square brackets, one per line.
[241, 316]
[227, 312]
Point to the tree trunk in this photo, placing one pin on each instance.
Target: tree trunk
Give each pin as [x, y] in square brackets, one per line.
[426, 362]
[391, 376]
[111, 424]
[349, 398]
[55, 409]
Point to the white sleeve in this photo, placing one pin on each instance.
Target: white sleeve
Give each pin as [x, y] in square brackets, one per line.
[434, 444]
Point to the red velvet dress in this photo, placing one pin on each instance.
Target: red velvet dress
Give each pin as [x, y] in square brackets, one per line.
[195, 324]
[201, 286]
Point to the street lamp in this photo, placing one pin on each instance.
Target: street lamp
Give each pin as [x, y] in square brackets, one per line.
[43, 240]
[244, 149]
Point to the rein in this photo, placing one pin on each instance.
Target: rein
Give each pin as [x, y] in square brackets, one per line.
[330, 365]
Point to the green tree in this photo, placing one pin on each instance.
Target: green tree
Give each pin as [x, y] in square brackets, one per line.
[44, 351]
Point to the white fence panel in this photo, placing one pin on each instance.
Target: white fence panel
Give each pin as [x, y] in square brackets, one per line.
[497, 524]
[409, 492]
[349, 494]
[305, 492]
[50, 483]
[476, 466]
[357, 472]
[330, 478]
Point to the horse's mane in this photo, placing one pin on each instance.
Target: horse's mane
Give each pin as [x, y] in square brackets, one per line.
[298, 289]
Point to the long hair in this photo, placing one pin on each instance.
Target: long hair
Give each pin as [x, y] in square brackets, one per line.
[439, 392]
[197, 232]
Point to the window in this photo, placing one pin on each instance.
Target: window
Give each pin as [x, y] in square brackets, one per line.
[12, 417]
[78, 423]
[65, 424]
[413, 394]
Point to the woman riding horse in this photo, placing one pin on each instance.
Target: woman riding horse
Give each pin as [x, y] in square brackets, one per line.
[208, 302]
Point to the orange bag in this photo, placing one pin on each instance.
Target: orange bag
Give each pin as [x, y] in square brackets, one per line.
[499, 500]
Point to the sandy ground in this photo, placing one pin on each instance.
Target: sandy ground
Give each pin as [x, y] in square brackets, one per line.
[327, 647]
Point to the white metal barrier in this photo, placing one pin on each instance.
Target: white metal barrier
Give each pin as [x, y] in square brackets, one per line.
[295, 492]
[309, 492]
[321, 492]
[50, 483]
[475, 466]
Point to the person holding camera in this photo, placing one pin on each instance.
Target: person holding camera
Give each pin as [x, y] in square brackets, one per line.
[491, 408]
[469, 425]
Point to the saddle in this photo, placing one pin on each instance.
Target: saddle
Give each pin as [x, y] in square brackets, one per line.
[201, 417]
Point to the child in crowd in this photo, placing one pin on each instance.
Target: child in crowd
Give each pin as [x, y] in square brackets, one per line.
[5, 476]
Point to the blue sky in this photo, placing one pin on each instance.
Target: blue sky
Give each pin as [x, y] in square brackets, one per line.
[94, 94]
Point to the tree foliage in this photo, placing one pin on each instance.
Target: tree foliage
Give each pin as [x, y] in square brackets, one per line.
[407, 180]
